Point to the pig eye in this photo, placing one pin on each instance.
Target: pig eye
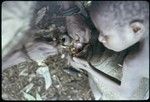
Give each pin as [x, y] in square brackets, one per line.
[65, 40]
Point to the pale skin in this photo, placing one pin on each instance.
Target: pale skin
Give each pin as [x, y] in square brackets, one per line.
[136, 62]
[76, 26]
[37, 51]
[81, 34]
[129, 81]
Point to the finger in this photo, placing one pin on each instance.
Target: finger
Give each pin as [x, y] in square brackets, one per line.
[69, 58]
[84, 64]
[78, 60]
[77, 65]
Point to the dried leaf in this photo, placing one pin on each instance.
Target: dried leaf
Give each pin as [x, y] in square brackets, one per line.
[23, 73]
[28, 96]
[44, 71]
[38, 97]
[28, 87]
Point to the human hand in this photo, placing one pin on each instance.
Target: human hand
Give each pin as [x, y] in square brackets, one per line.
[79, 63]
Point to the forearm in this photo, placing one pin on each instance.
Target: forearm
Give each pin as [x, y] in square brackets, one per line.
[105, 79]
[16, 15]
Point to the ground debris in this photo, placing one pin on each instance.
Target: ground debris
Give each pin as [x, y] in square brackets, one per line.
[64, 86]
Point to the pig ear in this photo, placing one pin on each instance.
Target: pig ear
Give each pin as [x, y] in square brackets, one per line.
[137, 27]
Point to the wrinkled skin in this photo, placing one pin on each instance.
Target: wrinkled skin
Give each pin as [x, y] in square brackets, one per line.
[116, 34]
[119, 34]
[119, 25]
[16, 17]
[37, 52]
[77, 28]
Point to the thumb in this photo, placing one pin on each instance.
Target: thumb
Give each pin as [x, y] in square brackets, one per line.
[81, 61]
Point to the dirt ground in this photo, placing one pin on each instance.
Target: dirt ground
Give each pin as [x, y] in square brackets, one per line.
[66, 84]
